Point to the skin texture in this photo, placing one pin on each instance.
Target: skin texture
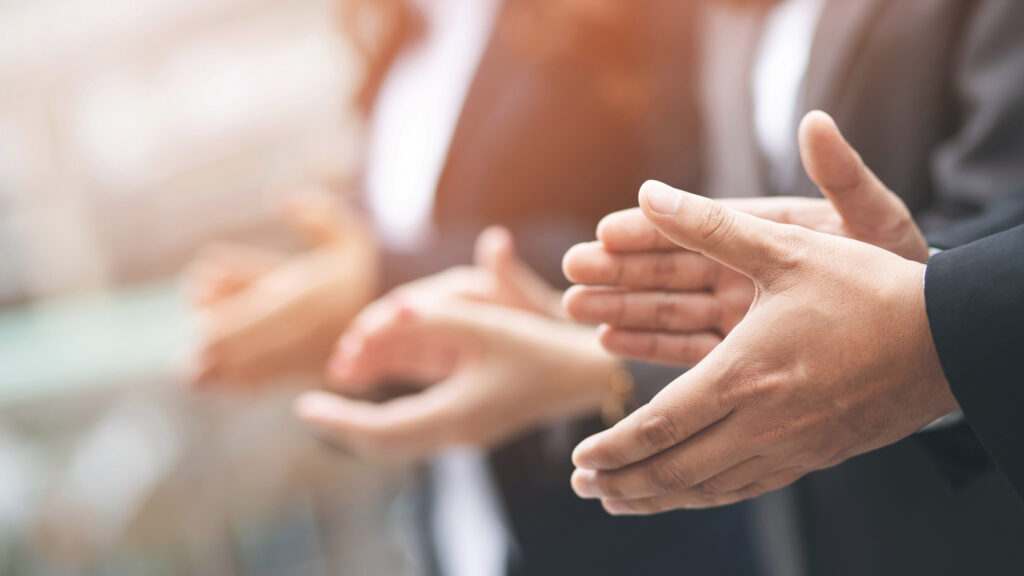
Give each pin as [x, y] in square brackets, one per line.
[263, 315]
[660, 302]
[481, 353]
[834, 358]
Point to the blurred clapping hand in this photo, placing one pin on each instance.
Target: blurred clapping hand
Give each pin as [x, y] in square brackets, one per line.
[263, 315]
[483, 349]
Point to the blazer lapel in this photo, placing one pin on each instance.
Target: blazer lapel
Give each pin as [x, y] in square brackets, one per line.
[843, 27]
[490, 79]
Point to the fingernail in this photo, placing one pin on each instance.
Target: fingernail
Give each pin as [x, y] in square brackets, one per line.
[583, 483]
[579, 458]
[310, 407]
[662, 198]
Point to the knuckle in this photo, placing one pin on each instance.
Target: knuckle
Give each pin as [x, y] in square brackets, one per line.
[658, 431]
[710, 273]
[622, 311]
[736, 393]
[797, 251]
[836, 458]
[665, 269]
[653, 346]
[775, 434]
[716, 314]
[711, 487]
[716, 224]
[816, 453]
[649, 506]
[665, 312]
[707, 493]
[668, 478]
[751, 384]
[617, 270]
[608, 486]
[752, 490]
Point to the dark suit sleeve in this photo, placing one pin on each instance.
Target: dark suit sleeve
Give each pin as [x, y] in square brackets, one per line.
[997, 217]
[975, 302]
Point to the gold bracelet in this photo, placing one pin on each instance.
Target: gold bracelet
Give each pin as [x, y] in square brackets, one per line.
[619, 397]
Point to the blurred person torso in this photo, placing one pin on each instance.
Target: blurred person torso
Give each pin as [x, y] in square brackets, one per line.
[542, 116]
[572, 104]
[415, 114]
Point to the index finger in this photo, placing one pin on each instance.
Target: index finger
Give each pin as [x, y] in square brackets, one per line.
[629, 231]
[683, 409]
[593, 264]
[415, 426]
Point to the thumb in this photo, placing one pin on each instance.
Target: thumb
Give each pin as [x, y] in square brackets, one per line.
[495, 252]
[747, 244]
[409, 426]
[865, 204]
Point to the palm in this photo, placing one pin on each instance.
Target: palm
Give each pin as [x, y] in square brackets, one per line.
[666, 304]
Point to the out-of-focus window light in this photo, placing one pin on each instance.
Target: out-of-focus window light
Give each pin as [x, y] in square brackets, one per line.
[168, 120]
[35, 31]
[203, 103]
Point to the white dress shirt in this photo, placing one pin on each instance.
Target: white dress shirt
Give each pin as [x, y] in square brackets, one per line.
[777, 81]
[410, 132]
[416, 113]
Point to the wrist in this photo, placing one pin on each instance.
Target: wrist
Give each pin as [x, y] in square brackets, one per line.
[599, 379]
[611, 385]
[619, 397]
[940, 401]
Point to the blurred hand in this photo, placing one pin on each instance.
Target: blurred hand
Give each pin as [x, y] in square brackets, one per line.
[834, 358]
[663, 303]
[482, 347]
[263, 315]
[499, 277]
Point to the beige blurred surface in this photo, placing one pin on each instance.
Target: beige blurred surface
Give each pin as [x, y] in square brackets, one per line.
[131, 133]
[133, 130]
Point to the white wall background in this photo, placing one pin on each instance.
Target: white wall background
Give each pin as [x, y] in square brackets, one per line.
[133, 130]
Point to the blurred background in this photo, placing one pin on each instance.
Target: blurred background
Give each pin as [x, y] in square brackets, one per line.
[150, 147]
[131, 133]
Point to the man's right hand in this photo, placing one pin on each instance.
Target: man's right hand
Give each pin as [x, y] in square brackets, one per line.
[662, 303]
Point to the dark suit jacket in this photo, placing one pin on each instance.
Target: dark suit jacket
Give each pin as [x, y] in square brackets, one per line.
[975, 299]
[540, 149]
[931, 93]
